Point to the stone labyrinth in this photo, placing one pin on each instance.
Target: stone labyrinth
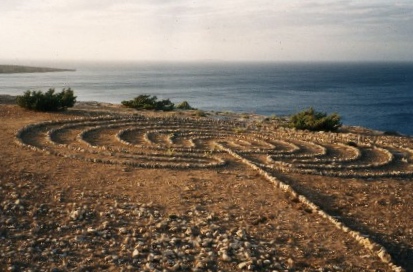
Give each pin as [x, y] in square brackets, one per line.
[187, 143]
[138, 141]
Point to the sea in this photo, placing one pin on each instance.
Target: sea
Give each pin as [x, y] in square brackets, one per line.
[377, 95]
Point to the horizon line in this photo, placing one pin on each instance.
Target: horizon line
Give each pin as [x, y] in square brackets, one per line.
[120, 61]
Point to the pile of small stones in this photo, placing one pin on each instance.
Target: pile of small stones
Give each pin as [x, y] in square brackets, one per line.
[119, 234]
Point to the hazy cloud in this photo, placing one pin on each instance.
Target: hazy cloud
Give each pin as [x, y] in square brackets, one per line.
[217, 29]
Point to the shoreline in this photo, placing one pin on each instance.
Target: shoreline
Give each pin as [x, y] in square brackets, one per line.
[20, 69]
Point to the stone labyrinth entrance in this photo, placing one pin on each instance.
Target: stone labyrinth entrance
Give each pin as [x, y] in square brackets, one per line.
[187, 143]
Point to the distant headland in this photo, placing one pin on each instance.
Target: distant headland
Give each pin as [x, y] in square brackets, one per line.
[11, 69]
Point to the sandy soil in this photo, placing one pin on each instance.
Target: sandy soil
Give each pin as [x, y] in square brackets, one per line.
[138, 191]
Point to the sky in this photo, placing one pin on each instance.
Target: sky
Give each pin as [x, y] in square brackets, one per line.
[214, 30]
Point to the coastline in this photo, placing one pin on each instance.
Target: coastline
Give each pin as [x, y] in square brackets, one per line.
[17, 69]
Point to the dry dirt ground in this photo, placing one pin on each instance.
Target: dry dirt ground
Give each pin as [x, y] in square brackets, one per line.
[100, 187]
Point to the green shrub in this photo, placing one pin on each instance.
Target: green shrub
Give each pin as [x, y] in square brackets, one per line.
[147, 102]
[48, 101]
[315, 121]
[391, 133]
[165, 105]
[184, 106]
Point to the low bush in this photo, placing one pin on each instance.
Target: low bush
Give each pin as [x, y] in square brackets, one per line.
[315, 121]
[391, 133]
[48, 101]
[184, 106]
[147, 102]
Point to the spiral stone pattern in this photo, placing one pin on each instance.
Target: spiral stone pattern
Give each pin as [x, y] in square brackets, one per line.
[139, 141]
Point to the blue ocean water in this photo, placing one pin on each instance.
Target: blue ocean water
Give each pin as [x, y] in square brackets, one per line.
[374, 95]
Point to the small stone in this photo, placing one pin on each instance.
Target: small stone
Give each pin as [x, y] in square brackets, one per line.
[150, 257]
[243, 265]
[123, 231]
[234, 245]
[168, 253]
[248, 255]
[225, 257]
[199, 264]
[384, 256]
[12, 268]
[175, 267]
[91, 230]
[75, 215]
[135, 253]
[241, 233]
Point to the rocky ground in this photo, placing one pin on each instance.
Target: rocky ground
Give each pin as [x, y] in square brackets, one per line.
[179, 192]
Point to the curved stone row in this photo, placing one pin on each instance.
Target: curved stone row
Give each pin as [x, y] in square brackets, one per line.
[322, 151]
[363, 240]
[46, 150]
[269, 141]
[385, 141]
[182, 158]
[197, 135]
[311, 165]
[370, 170]
[356, 156]
[318, 163]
